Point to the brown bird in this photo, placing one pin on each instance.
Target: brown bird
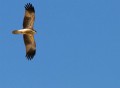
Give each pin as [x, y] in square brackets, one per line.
[28, 31]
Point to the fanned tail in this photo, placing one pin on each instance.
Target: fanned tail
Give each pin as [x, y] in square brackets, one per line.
[17, 32]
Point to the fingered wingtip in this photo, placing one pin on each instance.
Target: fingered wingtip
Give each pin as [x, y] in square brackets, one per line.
[30, 55]
[29, 7]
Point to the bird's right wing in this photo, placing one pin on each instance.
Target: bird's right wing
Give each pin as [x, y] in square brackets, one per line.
[29, 17]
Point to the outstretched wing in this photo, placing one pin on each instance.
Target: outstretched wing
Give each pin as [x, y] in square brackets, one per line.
[29, 38]
[29, 16]
[30, 45]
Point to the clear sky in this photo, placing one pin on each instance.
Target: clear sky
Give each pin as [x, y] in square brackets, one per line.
[78, 44]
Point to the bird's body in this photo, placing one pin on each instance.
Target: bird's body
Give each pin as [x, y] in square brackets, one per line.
[24, 31]
[28, 31]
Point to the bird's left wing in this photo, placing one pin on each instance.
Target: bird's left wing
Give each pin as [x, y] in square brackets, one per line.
[30, 45]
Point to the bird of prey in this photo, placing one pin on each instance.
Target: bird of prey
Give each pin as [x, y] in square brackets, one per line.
[28, 31]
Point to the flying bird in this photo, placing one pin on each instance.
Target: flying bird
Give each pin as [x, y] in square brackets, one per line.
[28, 31]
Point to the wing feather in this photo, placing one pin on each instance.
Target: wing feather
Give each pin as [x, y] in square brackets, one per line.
[29, 38]
[29, 17]
[30, 45]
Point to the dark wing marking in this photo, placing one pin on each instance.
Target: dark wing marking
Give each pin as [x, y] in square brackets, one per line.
[29, 16]
[30, 46]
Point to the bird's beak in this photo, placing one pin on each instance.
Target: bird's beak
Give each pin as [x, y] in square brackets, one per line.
[35, 32]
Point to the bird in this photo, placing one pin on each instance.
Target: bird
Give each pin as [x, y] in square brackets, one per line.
[28, 31]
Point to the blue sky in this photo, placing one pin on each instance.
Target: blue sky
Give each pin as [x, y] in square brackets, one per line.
[78, 44]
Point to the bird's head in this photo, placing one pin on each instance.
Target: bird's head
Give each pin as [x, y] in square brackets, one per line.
[34, 31]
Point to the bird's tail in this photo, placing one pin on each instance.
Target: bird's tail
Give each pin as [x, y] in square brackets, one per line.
[17, 32]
